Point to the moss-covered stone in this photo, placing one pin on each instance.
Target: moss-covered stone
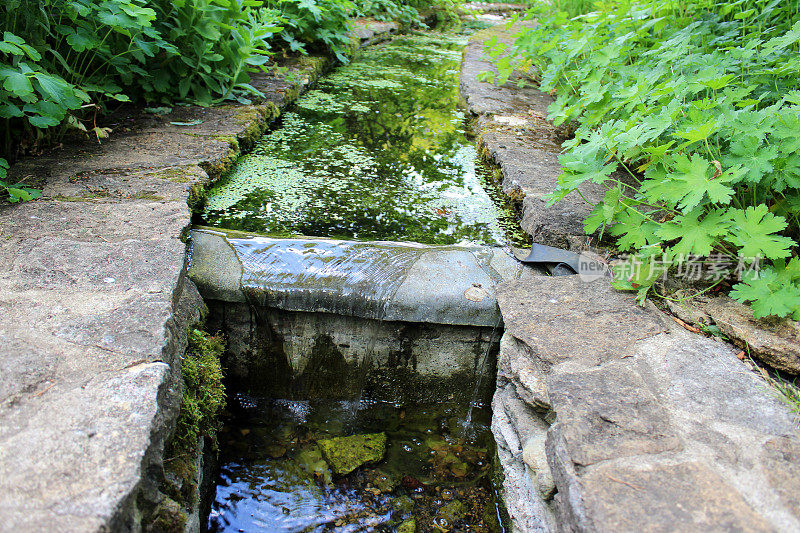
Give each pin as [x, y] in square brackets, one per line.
[312, 462]
[174, 174]
[221, 165]
[384, 481]
[403, 504]
[408, 526]
[204, 393]
[255, 120]
[345, 454]
[449, 515]
[202, 401]
[168, 518]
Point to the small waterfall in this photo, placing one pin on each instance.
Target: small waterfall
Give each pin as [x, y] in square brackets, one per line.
[339, 277]
[481, 370]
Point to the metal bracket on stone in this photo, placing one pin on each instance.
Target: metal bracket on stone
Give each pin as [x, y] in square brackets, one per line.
[557, 261]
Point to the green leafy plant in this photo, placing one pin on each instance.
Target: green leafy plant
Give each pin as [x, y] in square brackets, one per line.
[388, 10]
[688, 114]
[316, 24]
[62, 61]
[59, 57]
[15, 192]
[220, 42]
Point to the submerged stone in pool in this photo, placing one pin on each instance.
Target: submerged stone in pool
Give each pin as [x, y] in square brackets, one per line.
[345, 454]
[377, 152]
[430, 478]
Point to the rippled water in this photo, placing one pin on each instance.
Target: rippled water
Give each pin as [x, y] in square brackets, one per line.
[272, 479]
[376, 152]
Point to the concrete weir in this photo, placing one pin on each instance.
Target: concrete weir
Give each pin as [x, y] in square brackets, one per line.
[427, 312]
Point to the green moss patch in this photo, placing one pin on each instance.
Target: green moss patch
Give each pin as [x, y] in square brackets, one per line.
[203, 392]
[203, 400]
[345, 454]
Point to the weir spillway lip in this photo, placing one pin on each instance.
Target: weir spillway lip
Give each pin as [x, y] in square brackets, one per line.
[391, 281]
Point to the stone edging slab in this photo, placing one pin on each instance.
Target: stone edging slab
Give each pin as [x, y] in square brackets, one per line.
[513, 132]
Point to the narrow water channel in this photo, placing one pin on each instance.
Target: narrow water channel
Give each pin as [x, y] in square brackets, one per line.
[378, 151]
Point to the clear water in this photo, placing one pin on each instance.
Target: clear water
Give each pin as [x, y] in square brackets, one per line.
[376, 152]
[272, 480]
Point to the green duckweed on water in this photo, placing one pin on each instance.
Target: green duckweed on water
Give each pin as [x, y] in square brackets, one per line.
[376, 152]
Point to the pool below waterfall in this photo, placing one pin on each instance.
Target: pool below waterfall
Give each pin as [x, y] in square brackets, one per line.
[430, 473]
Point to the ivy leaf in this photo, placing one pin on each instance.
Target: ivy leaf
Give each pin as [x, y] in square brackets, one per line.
[697, 235]
[16, 194]
[753, 231]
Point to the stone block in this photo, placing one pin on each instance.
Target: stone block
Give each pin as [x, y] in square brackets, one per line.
[566, 319]
[663, 498]
[608, 413]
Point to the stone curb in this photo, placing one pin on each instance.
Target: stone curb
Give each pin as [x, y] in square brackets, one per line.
[644, 426]
[96, 305]
[513, 132]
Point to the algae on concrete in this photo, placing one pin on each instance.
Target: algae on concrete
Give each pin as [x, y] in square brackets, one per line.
[345, 454]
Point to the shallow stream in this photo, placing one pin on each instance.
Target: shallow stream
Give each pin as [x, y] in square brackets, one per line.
[377, 151]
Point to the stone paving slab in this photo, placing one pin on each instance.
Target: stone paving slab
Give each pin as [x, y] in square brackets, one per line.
[605, 337]
[775, 342]
[666, 431]
[513, 131]
[95, 306]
